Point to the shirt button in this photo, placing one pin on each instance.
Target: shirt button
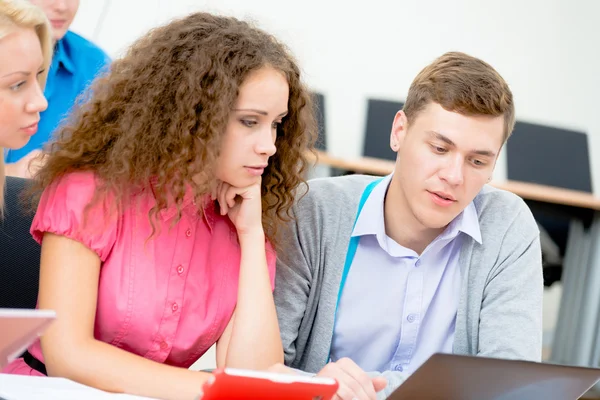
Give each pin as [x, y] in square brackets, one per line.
[418, 263]
[164, 346]
[411, 318]
[188, 233]
[180, 269]
[174, 307]
[398, 368]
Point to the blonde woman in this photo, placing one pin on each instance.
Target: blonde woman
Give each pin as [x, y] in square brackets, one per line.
[25, 53]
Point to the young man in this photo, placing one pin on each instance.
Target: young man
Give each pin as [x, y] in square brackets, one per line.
[75, 64]
[379, 274]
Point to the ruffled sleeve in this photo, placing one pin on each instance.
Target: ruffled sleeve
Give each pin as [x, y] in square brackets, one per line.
[62, 211]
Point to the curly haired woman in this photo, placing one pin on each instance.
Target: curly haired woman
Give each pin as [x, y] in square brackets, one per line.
[159, 209]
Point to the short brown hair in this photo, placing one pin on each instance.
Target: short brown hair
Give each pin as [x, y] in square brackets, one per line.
[158, 117]
[463, 84]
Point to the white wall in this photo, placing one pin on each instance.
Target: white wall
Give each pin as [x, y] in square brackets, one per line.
[547, 50]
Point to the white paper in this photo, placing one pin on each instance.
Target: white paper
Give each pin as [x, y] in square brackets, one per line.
[20, 387]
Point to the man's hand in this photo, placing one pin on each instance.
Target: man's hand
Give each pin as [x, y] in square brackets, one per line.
[354, 383]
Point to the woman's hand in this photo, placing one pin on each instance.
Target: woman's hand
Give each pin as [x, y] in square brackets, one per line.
[242, 205]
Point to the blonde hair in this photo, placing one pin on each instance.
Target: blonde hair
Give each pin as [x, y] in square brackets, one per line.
[21, 14]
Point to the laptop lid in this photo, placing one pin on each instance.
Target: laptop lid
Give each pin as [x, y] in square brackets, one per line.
[19, 328]
[456, 377]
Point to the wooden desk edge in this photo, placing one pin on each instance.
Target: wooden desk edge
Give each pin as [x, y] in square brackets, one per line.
[528, 191]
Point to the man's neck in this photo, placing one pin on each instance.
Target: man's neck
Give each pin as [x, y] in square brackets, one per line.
[400, 223]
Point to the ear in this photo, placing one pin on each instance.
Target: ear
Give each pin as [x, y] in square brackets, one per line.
[398, 131]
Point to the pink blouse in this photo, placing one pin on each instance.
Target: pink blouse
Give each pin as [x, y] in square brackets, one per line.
[167, 299]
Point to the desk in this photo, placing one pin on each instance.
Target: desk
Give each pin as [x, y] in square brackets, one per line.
[577, 335]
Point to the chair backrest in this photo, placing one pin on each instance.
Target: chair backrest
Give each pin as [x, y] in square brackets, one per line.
[19, 253]
[549, 156]
[555, 157]
[380, 116]
[319, 104]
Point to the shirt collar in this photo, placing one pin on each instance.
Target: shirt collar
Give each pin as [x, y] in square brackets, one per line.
[467, 222]
[61, 56]
[371, 220]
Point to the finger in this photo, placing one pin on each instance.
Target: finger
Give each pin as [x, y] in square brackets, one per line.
[346, 392]
[349, 388]
[222, 201]
[379, 383]
[230, 196]
[360, 376]
[248, 192]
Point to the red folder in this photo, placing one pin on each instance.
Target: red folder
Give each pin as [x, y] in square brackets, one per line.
[234, 384]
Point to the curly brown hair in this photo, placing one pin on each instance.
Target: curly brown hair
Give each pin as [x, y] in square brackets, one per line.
[158, 117]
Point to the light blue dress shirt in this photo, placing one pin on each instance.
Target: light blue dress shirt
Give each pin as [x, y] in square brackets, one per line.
[398, 308]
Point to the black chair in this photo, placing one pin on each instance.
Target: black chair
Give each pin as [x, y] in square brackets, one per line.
[19, 253]
[321, 143]
[555, 157]
[319, 104]
[549, 156]
[380, 116]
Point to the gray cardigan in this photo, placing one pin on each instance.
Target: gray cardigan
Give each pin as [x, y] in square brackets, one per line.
[500, 308]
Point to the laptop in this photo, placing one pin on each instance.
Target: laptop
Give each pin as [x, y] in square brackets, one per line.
[18, 329]
[456, 377]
